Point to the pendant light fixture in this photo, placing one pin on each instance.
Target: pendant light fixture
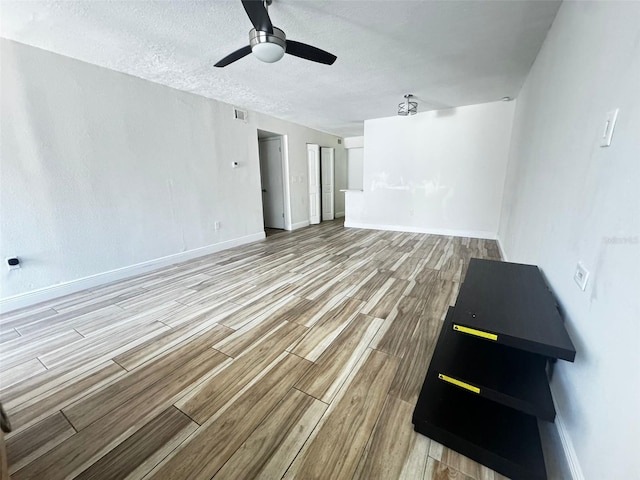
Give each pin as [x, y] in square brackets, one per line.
[407, 107]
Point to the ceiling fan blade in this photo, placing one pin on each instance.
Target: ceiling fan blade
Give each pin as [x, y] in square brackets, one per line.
[237, 55]
[308, 52]
[258, 15]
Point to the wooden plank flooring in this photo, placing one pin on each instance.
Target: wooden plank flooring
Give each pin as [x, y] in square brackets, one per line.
[300, 356]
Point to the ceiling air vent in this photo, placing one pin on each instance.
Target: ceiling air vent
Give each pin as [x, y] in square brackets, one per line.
[240, 115]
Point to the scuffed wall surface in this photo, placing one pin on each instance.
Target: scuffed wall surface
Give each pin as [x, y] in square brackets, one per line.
[437, 171]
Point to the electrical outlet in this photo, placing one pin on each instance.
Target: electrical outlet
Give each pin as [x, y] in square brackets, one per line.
[216, 225]
[13, 263]
[581, 276]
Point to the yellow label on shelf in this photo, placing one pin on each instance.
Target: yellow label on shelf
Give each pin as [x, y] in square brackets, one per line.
[473, 331]
[458, 383]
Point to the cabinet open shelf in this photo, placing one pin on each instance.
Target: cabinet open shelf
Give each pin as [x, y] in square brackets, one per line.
[512, 377]
[492, 434]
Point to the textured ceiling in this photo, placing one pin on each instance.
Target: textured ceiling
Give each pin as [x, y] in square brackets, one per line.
[446, 53]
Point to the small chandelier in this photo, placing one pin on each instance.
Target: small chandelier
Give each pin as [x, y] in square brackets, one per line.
[407, 107]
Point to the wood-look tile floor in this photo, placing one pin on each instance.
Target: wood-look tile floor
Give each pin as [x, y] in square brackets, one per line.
[300, 356]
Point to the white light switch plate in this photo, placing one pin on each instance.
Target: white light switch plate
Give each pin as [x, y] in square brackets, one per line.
[609, 125]
[581, 276]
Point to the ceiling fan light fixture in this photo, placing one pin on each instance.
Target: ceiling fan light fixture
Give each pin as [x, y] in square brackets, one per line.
[407, 107]
[268, 52]
[266, 46]
[268, 43]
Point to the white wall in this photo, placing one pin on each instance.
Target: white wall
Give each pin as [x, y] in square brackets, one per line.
[354, 142]
[355, 161]
[437, 172]
[340, 174]
[101, 171]
[354, 147]
[569, 200]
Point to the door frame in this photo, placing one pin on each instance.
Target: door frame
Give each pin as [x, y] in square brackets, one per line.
[316, 149]
[284, 143]
[271, 169]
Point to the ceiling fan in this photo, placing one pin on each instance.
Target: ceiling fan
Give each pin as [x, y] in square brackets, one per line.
[269, 43]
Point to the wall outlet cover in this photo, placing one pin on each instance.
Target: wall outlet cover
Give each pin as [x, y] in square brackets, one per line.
[581, 276]
[13, 263]
[609, 125]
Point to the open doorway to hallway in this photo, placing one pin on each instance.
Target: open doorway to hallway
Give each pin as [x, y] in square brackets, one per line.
[272, 180]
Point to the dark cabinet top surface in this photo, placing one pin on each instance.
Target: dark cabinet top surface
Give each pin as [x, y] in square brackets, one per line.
[512, 301]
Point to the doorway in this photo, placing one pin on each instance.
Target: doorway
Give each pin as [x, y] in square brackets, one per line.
[270, 152]
[321, 163]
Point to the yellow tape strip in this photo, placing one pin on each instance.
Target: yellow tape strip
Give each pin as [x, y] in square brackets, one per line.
[458, 383]
[473, 331]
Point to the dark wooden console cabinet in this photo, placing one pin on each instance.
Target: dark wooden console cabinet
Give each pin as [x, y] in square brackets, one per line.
[486, 386]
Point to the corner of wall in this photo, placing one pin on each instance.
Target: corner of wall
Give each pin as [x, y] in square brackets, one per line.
[503, 254]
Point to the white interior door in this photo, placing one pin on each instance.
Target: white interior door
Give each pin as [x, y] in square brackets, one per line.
[272, 184]
[327, 156]
[313, 159]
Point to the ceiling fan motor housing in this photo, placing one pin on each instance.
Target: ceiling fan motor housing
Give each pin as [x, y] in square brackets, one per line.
[266, 46]
[268, 43]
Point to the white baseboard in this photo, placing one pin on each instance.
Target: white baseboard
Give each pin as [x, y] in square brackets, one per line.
[432, 231]
[503, 254]
[339, 214]
[296, 226]
[55, 291]
[567, 445]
